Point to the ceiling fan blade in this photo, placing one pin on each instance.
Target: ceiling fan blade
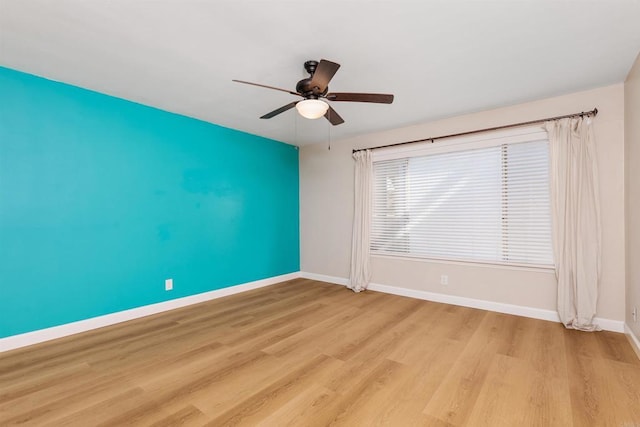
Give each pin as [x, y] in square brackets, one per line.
[323, 74]
[280, 110]
[379, 98]
[333, 117]
[268, 87]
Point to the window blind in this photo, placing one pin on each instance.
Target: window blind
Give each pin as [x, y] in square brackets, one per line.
[487, 204]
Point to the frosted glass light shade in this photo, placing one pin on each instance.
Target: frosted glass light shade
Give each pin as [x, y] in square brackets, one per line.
[312, 108]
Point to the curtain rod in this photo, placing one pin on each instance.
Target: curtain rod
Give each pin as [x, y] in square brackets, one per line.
[593, 112]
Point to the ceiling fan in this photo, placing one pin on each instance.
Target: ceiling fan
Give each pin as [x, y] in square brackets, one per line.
[315, 88]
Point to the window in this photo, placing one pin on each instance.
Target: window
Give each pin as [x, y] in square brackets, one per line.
[470, 200]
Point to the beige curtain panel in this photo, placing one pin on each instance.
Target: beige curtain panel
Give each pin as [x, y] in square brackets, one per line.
[360, 250]
[575, 211]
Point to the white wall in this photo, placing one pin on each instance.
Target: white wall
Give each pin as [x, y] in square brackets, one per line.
[326, 209]
[632, 191]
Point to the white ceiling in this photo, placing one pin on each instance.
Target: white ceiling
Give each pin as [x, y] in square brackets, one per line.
[439, 58]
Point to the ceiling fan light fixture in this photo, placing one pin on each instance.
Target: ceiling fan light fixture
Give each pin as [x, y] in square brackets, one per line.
[312, 108]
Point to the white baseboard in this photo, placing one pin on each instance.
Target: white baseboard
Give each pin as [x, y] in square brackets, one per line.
[633, 339]
[42, 335]
[324, 278]
[518, 310]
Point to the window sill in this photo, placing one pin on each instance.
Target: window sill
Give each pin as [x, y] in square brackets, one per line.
[537, 269]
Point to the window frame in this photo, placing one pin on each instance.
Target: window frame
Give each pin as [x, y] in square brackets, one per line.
[462, 143]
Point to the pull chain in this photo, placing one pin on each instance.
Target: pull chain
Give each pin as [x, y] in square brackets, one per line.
[329, 130]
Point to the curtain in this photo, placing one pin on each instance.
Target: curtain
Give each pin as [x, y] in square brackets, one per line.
[360, 260]
[575, 212]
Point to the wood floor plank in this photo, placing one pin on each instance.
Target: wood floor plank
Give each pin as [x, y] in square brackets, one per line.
[341, 412]
[435, 325]
[455, 398]
[33, 384]
[615, 347]
[304, 409]
[267, 400]
[503, 395]
[73, 409]
[514, 393]
[309, 353]
[625, 388]
[23, 397]
[234, 390]
[427, 377]
[187, 416]
[597, 380]
[355, 335]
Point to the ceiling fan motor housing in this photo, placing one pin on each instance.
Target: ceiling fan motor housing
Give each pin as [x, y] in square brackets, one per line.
[304, 86]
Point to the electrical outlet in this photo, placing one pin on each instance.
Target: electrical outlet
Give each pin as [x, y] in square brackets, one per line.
[168, 284]
[444, 279]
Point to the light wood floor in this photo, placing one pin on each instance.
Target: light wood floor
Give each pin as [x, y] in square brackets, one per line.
[307, 353]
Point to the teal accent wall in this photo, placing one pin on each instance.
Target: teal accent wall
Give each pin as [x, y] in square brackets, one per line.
[102, 199]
